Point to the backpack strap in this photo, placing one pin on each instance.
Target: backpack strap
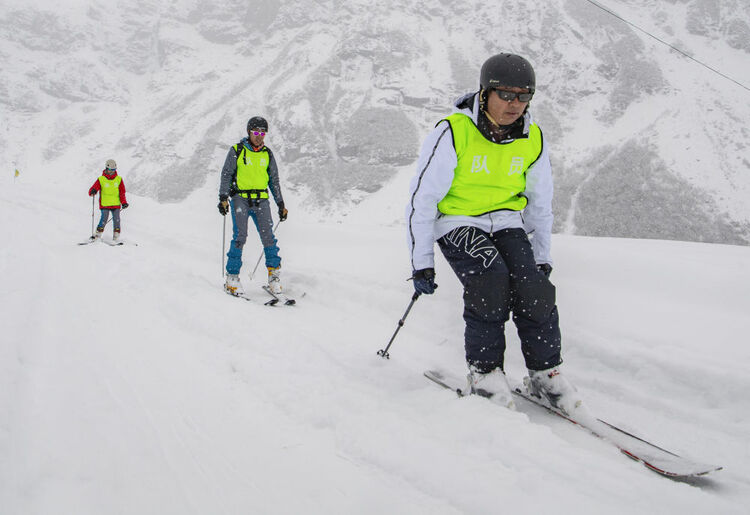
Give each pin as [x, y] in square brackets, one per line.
[239, 147]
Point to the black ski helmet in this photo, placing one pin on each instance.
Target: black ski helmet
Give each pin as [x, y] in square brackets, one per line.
[509, 70]
[257, 122]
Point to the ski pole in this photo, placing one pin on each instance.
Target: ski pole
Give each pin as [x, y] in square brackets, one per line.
[384, 352]
[223, 244]
[262, 252]
[92, 217]
[93, 200]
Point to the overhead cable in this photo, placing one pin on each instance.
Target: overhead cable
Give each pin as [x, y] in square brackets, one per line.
[667, 44]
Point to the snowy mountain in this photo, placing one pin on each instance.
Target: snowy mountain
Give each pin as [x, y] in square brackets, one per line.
[645, 142]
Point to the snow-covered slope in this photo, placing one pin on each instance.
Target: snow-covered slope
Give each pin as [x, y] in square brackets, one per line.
[646, 143]
[129, 383]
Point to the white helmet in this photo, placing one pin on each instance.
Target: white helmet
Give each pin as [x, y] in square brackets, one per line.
[111, 164]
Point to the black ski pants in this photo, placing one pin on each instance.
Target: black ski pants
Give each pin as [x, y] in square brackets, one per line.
[499, 276]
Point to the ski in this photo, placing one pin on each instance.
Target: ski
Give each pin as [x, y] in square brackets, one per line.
[238, 295]
[112, 243]
[655, 458]
[243, 296]
[117, 243]
[278, 298]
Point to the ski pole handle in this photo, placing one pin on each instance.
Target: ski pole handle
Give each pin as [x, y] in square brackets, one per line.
[383, 353]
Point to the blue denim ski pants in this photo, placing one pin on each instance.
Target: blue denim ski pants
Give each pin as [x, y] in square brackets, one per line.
[260, 211]
[105, 217]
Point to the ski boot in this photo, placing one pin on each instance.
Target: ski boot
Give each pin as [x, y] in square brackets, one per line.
[550, 384]
[233, 286]
[493, 385]
[274, 279]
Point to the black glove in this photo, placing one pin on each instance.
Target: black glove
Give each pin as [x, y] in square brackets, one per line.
[424, 281]
[92, 193]
[545, 268]
[282, 212]
[125, 205]
[223, 206]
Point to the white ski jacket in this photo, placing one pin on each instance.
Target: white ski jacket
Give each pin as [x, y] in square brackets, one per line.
[435, 171]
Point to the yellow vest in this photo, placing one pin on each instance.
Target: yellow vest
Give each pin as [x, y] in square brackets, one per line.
[252, 171]
[489, 176]
[110, 191]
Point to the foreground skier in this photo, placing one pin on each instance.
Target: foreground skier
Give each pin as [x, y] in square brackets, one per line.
[483, 183]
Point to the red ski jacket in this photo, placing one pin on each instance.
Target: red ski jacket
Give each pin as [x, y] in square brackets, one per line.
[96, 187]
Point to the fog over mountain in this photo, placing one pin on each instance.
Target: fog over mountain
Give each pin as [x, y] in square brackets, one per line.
[645, 142]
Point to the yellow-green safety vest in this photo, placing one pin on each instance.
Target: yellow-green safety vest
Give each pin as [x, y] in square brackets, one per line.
[489, 176]
[252, 171]
[110, 191]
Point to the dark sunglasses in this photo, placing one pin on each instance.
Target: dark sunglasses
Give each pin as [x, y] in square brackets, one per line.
[509, 96]
[258, 133]
[112, 169]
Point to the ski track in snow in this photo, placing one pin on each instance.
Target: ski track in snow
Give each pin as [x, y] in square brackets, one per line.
[131, 383]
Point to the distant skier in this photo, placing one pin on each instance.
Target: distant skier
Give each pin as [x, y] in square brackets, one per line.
[249, 172]
[483, 183]
[111, 199]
